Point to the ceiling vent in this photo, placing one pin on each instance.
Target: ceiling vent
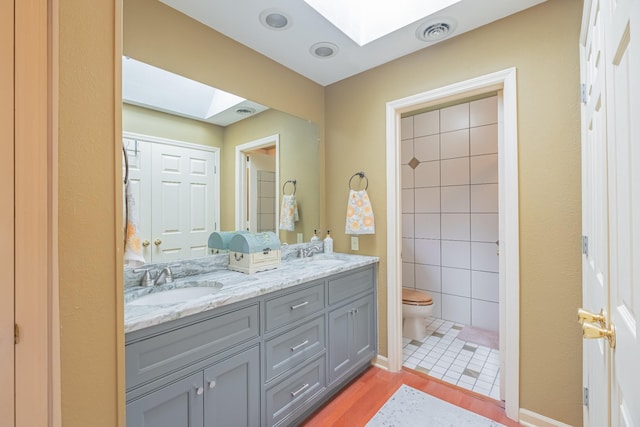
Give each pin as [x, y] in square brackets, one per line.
[432, 31]
[245, 111]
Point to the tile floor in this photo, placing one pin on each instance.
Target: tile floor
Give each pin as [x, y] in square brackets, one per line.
[441, 355]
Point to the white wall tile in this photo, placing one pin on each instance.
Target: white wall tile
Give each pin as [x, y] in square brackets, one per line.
[427, 148]
[484, 227]
[484, 169]
[483, 140]
[454, 144]
[456, 254]
[406, 151]
[407, 200]
[454, 118]
[456, 226]
[427, 251]
[427, 200]
[426, 123]
[455, 171]
[407, 225]
[427, 174]
[484, 198]
[408, 275]
[485, 286]
[407, 250]
[455, 199]
[427, 277]
[485, 315]
[456, 309]
[406, 176]
[484, 256]
[484, 111]
[267, 189]
[406, 127]
[437, 304]
[427, 226]
[456, 281]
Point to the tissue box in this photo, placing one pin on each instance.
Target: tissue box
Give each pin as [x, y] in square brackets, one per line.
[219, 241]
[250, 253]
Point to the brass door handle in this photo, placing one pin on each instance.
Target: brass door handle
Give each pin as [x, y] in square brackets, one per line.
[588, 316]
[157, 242]
[145, 243]
[591, 331]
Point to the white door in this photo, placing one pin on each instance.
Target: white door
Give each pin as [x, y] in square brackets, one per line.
[594, 211]
[622, 23]
[611, 209]
[182, 201]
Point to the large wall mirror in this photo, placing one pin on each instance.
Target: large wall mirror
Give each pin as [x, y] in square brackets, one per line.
[291, 152]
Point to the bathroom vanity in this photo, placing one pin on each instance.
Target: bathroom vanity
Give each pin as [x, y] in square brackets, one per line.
[263, 350]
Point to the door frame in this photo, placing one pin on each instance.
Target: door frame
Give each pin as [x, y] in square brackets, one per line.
[241, 178]
[509, 261]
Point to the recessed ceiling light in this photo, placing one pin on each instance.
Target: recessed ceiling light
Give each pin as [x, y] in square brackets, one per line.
[245, 111]
[435, 30]
[324, 50]
[275, 19]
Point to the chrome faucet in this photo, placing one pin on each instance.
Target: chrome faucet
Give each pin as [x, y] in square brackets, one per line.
[164, 276]
[307, 252]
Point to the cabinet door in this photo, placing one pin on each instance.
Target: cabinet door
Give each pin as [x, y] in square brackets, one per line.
[363, 340]
[176, 405]
[232, 395]
[339, 338]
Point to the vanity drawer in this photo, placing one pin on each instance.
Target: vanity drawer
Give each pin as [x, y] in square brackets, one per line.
[294, 347]
[294, 306]
[160, 354]
[347, 285]
[284, 398]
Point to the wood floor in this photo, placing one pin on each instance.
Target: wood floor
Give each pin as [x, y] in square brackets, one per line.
[358, 402]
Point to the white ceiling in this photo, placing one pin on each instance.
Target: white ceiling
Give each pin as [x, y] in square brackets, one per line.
[239, 20]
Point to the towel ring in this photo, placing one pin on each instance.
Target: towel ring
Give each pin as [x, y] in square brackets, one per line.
[292, 181]
[362, 176]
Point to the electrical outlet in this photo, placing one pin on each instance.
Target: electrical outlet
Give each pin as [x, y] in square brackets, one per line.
[300, 238]
[355, 243]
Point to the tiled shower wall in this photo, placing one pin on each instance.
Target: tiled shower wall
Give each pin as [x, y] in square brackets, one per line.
[450, 210]
[266, 214]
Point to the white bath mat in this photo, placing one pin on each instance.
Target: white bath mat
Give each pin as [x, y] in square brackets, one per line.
[409, 407]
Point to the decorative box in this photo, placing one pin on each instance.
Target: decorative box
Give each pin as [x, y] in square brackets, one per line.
[250, 253]
[219, 241]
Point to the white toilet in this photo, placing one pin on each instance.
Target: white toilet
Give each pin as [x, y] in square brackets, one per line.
[416, 306]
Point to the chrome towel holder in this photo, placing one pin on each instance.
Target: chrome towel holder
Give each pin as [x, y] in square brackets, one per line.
[362, 176]
[291, 181]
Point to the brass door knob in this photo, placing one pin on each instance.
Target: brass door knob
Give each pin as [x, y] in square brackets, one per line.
[591, 331]
[157, 242]
[587, 316]
[145, 243]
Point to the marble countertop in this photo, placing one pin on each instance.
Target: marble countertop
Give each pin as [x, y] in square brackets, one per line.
[236, 287]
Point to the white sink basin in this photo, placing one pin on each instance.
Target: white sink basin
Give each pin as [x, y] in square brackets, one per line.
[177, 295]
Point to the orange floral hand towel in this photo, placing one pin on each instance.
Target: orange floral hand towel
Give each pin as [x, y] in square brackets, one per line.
[359, 214]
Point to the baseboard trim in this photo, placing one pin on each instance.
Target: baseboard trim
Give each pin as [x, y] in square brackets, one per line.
[381, 362]
[531, 419]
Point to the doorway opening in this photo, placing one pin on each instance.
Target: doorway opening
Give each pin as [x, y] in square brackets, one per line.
[503, 84]
[257, 178]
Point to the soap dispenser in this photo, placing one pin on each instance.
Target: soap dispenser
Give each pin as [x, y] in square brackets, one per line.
[315, 237]
[328, 243]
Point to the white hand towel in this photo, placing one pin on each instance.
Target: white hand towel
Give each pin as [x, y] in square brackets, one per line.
[288, 213]
[132, 248]
[359, 214]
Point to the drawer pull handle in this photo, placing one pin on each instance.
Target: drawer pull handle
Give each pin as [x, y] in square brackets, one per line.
[302, 344]
[212, 384]
[300, 390]
[199, 391]
[297, 306]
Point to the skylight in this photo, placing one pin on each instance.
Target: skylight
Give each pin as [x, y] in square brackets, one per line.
[367, 20]
[148, 86]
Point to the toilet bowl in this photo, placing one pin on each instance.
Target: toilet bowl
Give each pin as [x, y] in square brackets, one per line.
[416, 306]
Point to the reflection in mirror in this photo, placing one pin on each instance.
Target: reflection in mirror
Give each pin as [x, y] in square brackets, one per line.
[184, 127]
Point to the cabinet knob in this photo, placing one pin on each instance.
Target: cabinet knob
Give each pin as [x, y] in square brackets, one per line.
[212, 384]
[145, 243]
[157, 242]
[199, 391]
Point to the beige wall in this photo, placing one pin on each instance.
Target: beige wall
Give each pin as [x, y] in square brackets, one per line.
[156, 123]
[542, 43]
[299, 153]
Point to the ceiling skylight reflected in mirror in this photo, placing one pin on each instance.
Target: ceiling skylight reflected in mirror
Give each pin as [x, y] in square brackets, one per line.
[364, 21]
